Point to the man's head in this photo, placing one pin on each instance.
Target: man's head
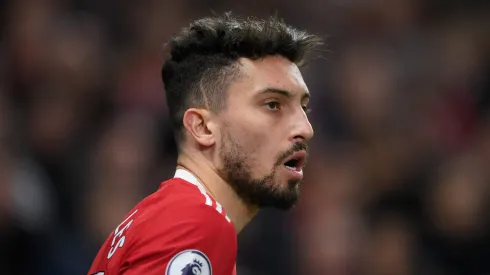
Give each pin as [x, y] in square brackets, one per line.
[236, 94]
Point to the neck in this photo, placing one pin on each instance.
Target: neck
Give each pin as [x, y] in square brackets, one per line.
[239, 212]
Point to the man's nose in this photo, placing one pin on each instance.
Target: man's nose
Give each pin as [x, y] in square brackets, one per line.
[303, 131]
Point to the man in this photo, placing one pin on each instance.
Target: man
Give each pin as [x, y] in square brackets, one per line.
[238, 103]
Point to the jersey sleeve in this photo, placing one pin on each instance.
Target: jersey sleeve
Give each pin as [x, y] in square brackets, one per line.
[193, 240]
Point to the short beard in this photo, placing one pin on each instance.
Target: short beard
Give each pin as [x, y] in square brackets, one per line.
[262, 192]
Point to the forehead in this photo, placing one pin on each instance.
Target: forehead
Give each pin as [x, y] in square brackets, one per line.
[270, 72]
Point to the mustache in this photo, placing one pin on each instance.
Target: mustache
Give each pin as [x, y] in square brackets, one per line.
[296, 147]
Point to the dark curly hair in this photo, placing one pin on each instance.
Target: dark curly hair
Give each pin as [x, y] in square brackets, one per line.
[203, 58]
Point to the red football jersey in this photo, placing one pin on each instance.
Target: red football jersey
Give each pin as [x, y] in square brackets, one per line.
[178, 230]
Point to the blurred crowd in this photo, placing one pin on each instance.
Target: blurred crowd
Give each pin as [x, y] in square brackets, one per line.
[397, 181]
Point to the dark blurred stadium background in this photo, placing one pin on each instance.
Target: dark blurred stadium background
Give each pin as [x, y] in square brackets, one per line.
[397, 183]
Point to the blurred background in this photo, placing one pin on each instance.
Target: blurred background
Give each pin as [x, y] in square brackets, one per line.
[397, 182]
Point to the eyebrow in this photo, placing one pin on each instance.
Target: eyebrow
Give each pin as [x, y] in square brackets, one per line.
[282, 92]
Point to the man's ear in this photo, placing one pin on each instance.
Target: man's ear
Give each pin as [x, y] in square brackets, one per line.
[196, 122]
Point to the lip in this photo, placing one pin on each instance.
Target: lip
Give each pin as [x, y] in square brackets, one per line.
[298, 172]
[300, 156]
[294, 174]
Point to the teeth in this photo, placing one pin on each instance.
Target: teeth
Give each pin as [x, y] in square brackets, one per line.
[291, 168]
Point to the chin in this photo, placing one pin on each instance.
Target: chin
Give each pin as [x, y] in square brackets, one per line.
[283, 199]
[292, 183]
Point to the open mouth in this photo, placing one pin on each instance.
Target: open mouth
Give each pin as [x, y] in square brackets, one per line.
[296, 161]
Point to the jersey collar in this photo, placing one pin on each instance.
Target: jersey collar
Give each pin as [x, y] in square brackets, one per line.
[187, 176]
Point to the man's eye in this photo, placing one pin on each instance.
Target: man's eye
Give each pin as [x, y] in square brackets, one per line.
[273, 105]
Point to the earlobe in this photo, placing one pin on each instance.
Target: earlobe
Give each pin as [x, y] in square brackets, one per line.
[196, 123]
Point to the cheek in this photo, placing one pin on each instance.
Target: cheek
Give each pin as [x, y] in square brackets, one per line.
[257, 148]
[252, 144]
[258, 140]
[263, 152]
[250, 132]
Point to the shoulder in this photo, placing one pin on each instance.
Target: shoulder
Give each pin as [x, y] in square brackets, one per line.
[188, 225]
[179, 200]
[167, 230]
[182, 208]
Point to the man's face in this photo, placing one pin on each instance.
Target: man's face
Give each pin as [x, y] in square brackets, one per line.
[264, 133]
